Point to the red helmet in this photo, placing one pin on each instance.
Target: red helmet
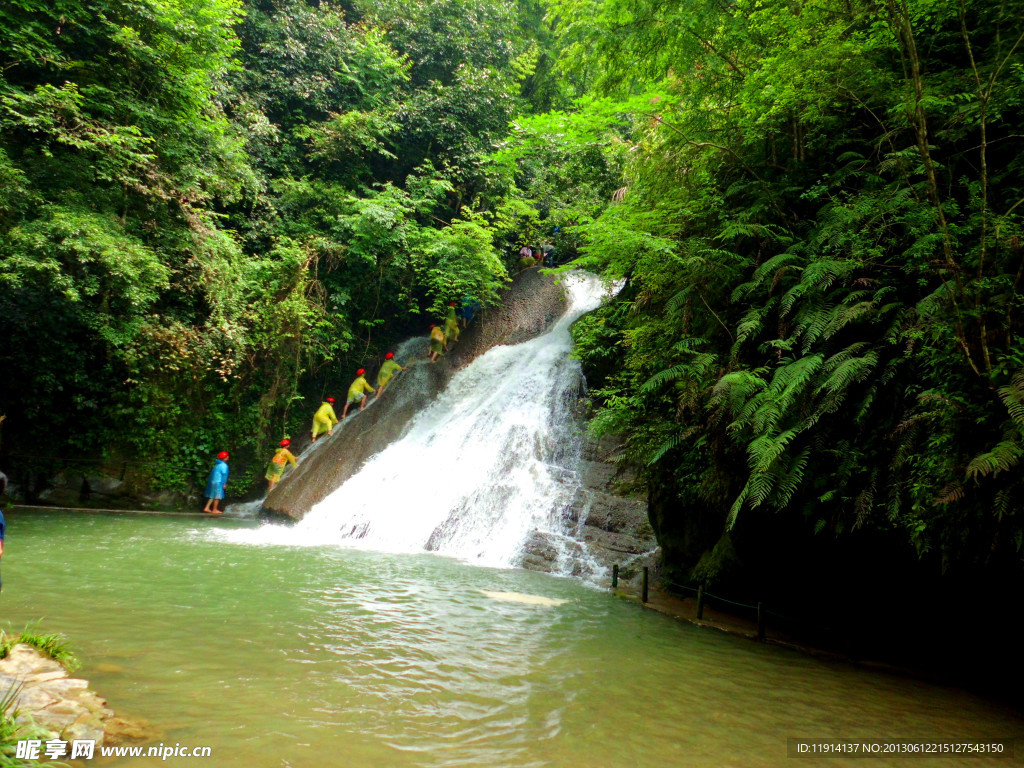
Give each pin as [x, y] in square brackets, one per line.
[286, 442]
[389, 355]
[223, 455]
[360, 372]
[329, 400]
[451, 304]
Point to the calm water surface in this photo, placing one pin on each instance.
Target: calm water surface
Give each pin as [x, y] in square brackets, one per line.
[299, 656]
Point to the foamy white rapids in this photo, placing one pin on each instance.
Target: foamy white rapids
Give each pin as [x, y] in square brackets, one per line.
[485, 467]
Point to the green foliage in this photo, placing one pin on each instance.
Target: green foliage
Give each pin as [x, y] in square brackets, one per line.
[822, 316]
[211, 210]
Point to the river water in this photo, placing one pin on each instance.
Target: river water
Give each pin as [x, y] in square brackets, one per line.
[329, 656]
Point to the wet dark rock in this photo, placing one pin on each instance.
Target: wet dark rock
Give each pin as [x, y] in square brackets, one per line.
[608, 518]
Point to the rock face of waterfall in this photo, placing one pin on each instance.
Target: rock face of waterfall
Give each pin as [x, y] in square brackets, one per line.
[531, 304]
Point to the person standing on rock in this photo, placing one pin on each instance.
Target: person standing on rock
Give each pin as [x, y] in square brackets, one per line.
[216, 483]
[468, 310]
[388, 370]
[275, 470]
[549, 255]
[324, 419]
[357, 392]
[437, 342]
[451, 324]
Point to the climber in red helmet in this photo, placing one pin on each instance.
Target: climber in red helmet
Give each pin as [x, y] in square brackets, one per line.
[324, 419]
[451, 325]
[437, 342]
[282, 458]
[388, 370]
[357, 392]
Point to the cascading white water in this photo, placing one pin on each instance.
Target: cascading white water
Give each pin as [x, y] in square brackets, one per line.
[487, 466]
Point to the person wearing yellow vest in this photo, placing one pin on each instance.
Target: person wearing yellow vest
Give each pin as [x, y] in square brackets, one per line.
[324, 419]
[357, 392]
[389, 369]
[451, 324]
[437, 342]
[282, 458]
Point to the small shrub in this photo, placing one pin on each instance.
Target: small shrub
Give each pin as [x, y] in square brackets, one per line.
[54, 645]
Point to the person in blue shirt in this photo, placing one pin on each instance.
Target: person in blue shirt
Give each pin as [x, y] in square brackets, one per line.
[468, 310]
[215, 484]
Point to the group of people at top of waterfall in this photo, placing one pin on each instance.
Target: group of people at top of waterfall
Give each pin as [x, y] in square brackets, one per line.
[534, 257]
[325, 419]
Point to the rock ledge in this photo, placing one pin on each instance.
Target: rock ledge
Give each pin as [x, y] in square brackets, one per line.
[63, 705]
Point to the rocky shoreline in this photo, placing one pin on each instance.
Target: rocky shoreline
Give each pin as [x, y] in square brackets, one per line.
[48, 698]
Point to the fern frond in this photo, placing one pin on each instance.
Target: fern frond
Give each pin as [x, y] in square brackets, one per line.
[952, 492]
[760, 486]
[736, 507]
[661, 377]
[1004, 456]
[849, 372]
[790, 480]
[673, 442]
[773, 265]
[765, 450]
[1012, 396]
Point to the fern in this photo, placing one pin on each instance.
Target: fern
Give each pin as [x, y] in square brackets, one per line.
[765, 450]
[1003, 457]
[673, 442]
[773, 265]
[790, 480]
[953, 492]
[1012, 396]
[661, 377]
[848, 372]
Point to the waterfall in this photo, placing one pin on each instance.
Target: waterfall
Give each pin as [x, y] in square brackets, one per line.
[485, 469]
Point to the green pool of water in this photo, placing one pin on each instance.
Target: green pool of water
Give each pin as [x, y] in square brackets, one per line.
[288, 656]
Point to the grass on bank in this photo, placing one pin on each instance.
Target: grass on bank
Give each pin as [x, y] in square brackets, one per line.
[53, 645]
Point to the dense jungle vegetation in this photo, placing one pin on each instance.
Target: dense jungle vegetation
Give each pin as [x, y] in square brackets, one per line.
[212, 210]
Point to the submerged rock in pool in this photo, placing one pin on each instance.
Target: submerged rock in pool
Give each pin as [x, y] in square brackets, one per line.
[520, 597]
